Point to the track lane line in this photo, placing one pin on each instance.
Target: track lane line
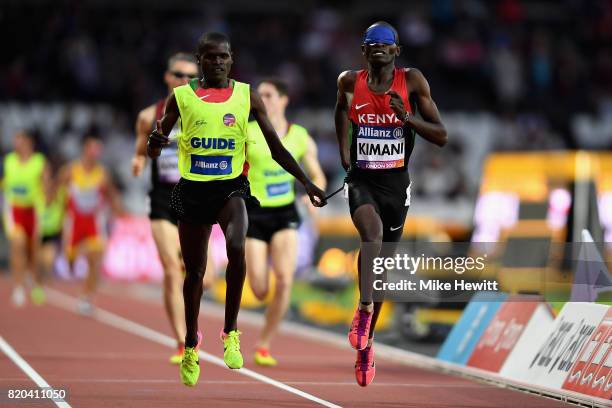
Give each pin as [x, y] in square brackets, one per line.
[69, 303]
[29, 371]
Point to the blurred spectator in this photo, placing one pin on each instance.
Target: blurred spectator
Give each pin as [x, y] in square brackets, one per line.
[532, 66]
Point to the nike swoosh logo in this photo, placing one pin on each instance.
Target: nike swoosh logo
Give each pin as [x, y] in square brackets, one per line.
[205, 96]
[396, 228]
[357, 107]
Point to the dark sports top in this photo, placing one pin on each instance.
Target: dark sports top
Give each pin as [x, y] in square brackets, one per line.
[165, 172]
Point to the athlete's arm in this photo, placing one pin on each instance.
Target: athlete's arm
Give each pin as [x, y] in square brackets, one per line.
[312, 165]
[158, 138]
[280, 154]
[346, 84]
[310, 160]
[430, 127]
[143, 129]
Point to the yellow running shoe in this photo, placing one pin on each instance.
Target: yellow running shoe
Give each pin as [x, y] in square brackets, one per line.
[231, 349]
[37, 294]
[178, 356]
[263, 358]
[190, 364]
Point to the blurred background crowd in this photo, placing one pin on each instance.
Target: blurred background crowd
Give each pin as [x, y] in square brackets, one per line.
[507, 74]
[521, 86]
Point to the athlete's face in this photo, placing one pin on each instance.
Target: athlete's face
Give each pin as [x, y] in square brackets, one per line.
[180, 73]
[23, 144]
[380, 54]
[215, 61]
[92, 150]
[274, 102]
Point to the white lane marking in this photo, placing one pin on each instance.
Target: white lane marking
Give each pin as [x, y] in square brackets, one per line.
[28, 370]
[69, 303]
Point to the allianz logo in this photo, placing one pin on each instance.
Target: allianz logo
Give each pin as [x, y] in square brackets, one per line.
[367, 131]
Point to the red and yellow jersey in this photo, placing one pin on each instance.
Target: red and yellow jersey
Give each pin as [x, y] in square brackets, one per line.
[86, 189]
[84, 221]
[379, 141]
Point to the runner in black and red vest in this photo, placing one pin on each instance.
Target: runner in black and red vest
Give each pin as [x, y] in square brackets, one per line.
[164, 175]
[376, 126]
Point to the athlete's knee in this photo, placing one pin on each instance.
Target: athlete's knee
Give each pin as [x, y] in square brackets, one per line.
[235, 247]
[172, 278]
[260, 291]
[283, 283]
[195, 273]
[372, 234]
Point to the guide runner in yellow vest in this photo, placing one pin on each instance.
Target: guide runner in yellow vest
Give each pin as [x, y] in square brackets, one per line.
[213, 113]
[272, 231]
[164, 174]
[25, 175]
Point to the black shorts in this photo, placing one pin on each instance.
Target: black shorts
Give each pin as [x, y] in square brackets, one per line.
[389, 193]
[159, 201]
[52, 239]
[264, 222]
[199, 202]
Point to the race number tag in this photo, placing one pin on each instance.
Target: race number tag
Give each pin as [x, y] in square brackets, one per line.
[380, 147]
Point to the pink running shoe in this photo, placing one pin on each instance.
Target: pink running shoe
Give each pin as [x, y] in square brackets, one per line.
[360, 329]
[365, 369]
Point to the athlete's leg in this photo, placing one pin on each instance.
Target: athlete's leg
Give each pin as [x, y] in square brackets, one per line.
[48, 252]
[194, 244]
[387, 251]
[165, 235]
[395, 211]
[283, 250]
[257, 266]
[370, 228]
[233, 220]
[93, 254]
[18, 243]
[34, 249]
[210, 275]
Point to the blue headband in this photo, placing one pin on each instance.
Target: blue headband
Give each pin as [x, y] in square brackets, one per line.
[380, 34]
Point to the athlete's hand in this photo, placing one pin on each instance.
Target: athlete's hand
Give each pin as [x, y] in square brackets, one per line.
[346, 163]
[157, 141]
[397, 105]
[138, 164]
[317, 196]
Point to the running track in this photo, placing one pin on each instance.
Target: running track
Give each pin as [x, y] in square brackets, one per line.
[118, 358]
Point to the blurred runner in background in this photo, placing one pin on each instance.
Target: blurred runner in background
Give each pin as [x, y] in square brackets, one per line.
[26, 174]
[90, 191]
[272, 233]
[51, 225]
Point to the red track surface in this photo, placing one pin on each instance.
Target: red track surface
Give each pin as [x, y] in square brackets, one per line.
[102, 366]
